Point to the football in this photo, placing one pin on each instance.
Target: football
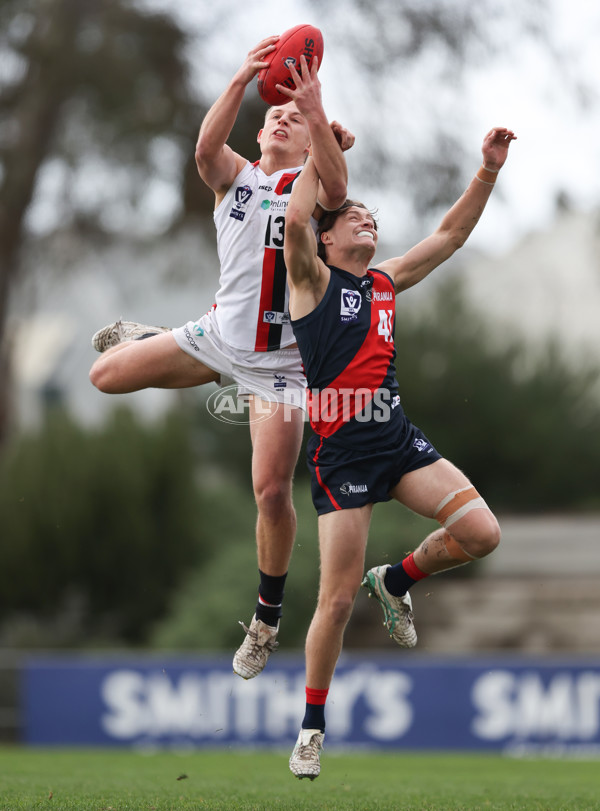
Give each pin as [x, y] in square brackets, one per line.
[301, 40]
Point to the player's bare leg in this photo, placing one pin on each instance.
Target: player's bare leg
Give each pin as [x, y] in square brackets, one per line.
[342, 543]
[155, 362]
[473, 531]
[469, 531]
[276, 444]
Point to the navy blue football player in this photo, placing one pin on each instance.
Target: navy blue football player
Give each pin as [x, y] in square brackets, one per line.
[364, 449]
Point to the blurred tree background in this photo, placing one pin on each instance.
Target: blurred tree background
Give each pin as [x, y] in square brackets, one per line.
[132, 533]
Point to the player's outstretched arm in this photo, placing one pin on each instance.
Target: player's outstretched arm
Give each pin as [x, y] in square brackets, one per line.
[217, 163]
[459, 221]
[307, 274]
[327, 140]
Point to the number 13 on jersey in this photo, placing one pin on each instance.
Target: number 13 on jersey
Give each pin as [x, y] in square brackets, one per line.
[274, 233]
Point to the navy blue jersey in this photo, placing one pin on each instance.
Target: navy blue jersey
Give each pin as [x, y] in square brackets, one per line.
[347, 347]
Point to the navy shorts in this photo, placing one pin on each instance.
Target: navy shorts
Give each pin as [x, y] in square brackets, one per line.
[344, 478]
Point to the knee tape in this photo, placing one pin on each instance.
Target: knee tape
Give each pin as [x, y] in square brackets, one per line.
[457, 504]
[455, 550]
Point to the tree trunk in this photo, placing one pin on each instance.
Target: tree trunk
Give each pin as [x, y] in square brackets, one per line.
[36, 107]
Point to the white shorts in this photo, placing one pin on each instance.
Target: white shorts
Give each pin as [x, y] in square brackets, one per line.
[273, 376]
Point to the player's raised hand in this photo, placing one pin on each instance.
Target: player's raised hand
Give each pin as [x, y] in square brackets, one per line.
[495, 147]
[307, 90]
[344, 137]
[254, 61]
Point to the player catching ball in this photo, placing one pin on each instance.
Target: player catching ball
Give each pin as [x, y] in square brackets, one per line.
[364, 448]
[246, 338]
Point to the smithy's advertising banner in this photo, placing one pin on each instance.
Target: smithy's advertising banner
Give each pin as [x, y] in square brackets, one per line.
[400, 701]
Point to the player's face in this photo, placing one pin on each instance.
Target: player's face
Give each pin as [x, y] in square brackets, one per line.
[285, 129]
[355, 227]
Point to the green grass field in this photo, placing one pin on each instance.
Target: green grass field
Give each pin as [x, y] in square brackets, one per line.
[90, 780]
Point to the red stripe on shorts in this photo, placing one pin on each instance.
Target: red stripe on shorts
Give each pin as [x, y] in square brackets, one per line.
[320, 480]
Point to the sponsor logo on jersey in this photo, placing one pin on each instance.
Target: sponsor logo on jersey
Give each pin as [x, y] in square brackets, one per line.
[379, 295]
[273, 317]
[350, 305]
[198, 331]
[348, 489]
[242, 198]
[279, 382]
[265, 188]
[274, 204]
[190, 339]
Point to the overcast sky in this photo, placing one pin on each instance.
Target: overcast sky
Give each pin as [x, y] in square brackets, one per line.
[558, 145]
[550, 99]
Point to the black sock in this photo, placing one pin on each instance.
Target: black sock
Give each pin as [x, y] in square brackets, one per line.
[314, 717]
[397, 581]
[270, 591]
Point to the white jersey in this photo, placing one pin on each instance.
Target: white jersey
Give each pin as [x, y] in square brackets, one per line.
[253, 298]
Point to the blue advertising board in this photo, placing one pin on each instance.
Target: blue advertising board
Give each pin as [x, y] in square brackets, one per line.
[513, 705]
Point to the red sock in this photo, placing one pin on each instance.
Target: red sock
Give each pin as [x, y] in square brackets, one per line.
[316, 696]
[411, 568]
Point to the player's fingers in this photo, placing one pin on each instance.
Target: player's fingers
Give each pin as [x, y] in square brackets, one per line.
[257, 59]
[293, 70]
[303, 66]
[285, 90]
[348, 141]
[267, 42]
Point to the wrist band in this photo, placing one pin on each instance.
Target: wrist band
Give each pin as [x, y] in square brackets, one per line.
[487, 175]
[320, 204]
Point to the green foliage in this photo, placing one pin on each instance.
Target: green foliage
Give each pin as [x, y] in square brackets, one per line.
[215, 596]
[512, 433]
[145, 534]
[526, 431]
[98, 527]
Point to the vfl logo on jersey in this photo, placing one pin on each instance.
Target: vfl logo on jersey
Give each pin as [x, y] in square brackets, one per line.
[242, 197]
[273, 317]
[350, 305]
[348, 489]
[420, 444]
